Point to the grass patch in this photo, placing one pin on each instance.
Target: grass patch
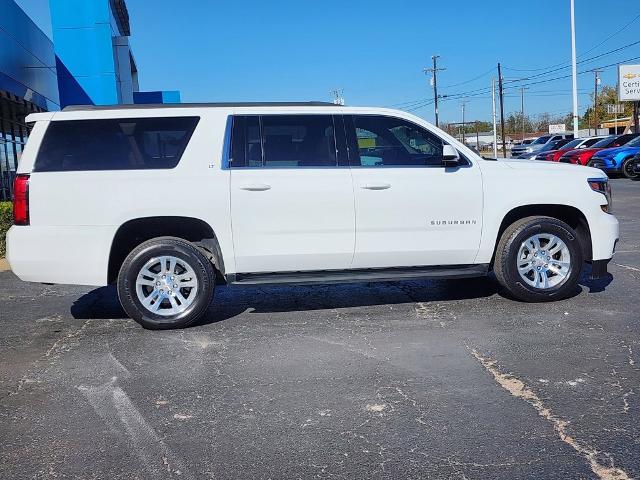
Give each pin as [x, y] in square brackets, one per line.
[6, 220]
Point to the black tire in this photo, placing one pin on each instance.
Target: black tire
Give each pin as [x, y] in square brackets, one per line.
[182, 250]
[506, 266]
[591, 164]
[627, 168]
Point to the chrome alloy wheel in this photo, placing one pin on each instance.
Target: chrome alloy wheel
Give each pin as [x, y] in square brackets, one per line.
[166, 285]
[544, 261]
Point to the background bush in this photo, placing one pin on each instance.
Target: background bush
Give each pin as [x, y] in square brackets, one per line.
[6, 220]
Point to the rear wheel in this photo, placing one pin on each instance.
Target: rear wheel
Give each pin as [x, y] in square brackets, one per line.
[166, 283]
[539, 259]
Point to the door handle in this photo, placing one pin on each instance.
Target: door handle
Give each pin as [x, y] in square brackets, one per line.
[255, 187]
[376, 186]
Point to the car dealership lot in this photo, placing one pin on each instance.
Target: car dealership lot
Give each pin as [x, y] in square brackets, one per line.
[446, 379]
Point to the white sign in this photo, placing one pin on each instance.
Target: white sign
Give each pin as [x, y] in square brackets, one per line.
[615, 108]
[557, 128]
[628, 83]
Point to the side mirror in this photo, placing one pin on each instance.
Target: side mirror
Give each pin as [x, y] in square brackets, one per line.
[450, 156]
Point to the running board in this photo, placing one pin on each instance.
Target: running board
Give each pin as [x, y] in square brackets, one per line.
[359, 275]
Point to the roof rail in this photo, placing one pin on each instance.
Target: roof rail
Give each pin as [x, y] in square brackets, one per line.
[76, 108]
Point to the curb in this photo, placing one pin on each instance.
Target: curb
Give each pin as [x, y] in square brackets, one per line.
[4, 265]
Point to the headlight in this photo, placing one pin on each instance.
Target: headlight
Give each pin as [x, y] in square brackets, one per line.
[601, 185]
[529, 150]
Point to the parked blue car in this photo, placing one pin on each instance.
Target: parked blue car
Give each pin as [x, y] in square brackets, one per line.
[618, 160]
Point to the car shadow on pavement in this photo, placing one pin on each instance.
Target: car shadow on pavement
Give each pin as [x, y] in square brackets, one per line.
[229, 302]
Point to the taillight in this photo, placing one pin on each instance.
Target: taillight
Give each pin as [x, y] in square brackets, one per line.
[21, 200]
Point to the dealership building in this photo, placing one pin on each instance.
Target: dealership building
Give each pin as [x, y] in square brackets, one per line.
[88, 61]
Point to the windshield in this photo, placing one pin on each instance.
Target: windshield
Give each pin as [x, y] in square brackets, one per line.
[634, 143]
[605, 142]
[551, 146]
[591, 142]
[541, 140]
[573, 143]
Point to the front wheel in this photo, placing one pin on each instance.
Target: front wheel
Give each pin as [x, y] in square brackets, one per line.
[628, 168]
[539, 259]
[166, 283]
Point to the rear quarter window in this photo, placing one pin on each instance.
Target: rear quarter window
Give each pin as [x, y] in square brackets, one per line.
[114, 144]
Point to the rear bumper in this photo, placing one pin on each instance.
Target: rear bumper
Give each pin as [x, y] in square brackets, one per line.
[76, 255]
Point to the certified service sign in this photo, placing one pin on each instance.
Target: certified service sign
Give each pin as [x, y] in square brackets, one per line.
[629, 83]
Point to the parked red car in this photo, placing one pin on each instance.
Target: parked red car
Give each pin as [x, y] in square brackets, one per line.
[577, 144]
[582, 156]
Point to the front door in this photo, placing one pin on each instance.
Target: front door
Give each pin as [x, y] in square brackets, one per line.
[410, 209]
[291, 194]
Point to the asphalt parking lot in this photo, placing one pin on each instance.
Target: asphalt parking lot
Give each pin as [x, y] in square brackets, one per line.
[422, 379]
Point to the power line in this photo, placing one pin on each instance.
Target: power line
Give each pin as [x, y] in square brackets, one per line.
[580, 62]
[413, 105]
[579, 73]
[471, 80]
[584, 53]
[612, 35]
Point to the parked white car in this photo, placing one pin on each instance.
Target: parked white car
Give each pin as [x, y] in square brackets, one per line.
[167, 201]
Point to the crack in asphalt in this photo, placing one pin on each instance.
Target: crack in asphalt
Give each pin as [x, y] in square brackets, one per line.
[27, 377]
[519, 389]
[111, 403]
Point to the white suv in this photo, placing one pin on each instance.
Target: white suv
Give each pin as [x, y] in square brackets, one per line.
[167, 201]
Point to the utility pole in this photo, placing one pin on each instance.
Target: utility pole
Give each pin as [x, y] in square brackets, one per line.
[595, 101]
[464, 137]
[338, 98]
[501, 92]
[477, 136]
[495, 129]
[434, 82]
[522, 89]
[574, 69]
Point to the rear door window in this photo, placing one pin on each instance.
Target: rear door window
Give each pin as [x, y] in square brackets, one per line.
[114, 144]
[284, 141]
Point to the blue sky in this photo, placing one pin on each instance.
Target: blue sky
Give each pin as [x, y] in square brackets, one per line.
[213, 50]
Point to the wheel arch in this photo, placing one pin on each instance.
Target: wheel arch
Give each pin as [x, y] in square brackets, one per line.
[572, 216]
[136, 231]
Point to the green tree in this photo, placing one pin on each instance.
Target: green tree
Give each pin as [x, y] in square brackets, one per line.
[607, 95]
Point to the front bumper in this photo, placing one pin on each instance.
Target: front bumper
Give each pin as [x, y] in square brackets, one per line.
[599, 269]
[605, 165]
[605, 233]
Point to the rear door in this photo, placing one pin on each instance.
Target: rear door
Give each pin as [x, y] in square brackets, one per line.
[410, 209]
[291, 194]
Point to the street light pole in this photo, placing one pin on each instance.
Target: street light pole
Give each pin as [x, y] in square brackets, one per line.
[574, 69]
